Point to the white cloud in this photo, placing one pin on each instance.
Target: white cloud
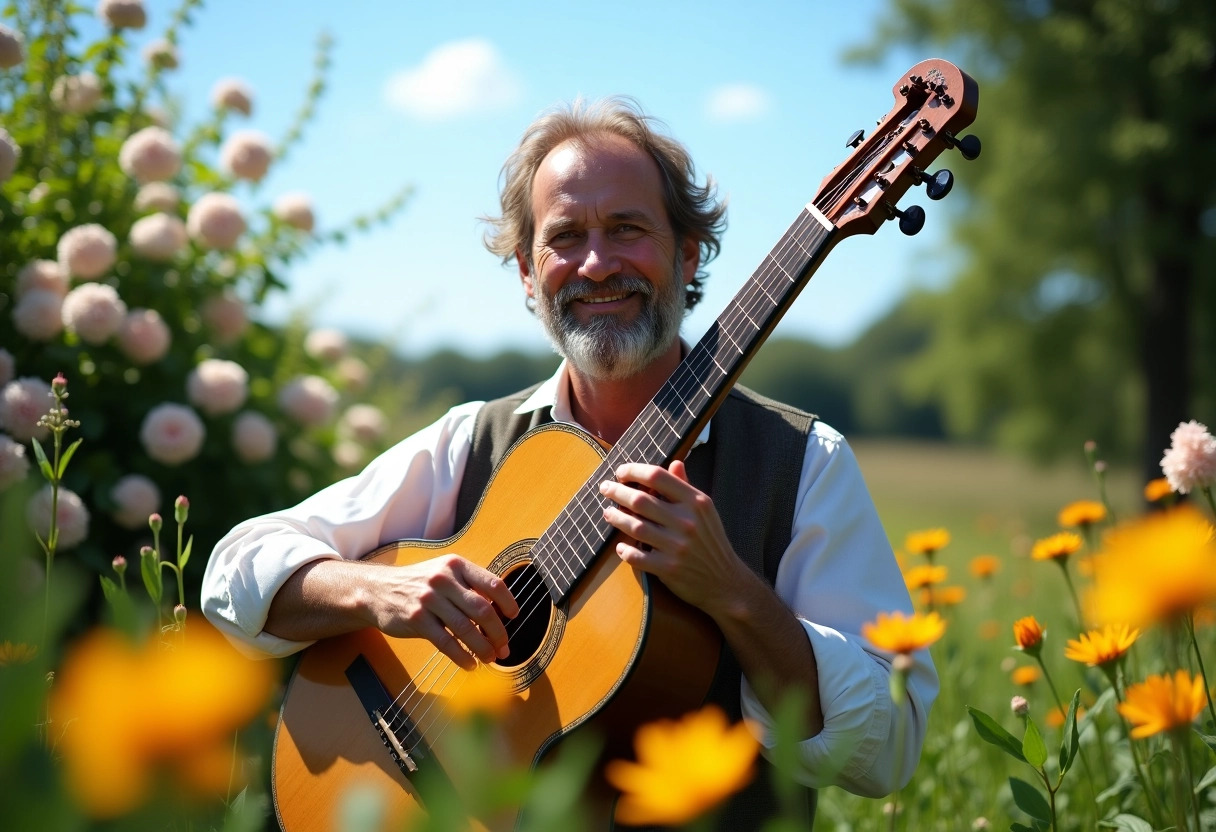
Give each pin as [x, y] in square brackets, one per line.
[455, 79]
[738, 102]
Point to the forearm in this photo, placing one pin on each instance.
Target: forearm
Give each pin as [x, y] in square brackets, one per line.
[322, 598]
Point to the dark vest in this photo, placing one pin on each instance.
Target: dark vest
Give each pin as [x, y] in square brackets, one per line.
[750, 467]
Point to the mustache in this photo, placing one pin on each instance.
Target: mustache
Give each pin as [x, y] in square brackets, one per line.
[583, 289]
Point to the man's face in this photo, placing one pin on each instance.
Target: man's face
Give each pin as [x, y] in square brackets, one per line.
[605, 269]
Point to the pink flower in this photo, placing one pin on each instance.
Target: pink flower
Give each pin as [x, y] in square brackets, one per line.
[14, 466]
[7, 367]
[254, 437]
[353, 373]
[1190, 461]
[76, 94]
[217, 387]
[326, 344]
[72, 517]
[308, 400]
[225, 315]
[150, 155]
[94, 312]
[39, 315]
[247, 154]
[215, 221]
[161, 54]
[172, 433]
[158, 237]
[135, 498]
[295, 210]
[42, 274]
[12, 50]
[10, 152]
[232, 94]
[87, 251]
[363, 422]
[22, 403]
[144, 336]
[157, 196]
[348, 454]
[123, 14]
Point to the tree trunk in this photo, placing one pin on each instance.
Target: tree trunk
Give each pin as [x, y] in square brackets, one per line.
[1165, 355]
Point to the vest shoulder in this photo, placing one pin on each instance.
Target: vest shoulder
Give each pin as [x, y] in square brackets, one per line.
[750, 399]
[513, 400]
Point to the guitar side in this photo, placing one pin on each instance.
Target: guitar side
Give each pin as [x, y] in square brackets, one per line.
[603, 657]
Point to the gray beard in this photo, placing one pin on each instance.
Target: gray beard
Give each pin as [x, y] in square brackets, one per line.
[606, 348]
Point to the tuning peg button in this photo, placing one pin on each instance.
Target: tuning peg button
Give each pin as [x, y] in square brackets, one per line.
[937, 185]
[911, 219]
[855, 138]
[969, 146]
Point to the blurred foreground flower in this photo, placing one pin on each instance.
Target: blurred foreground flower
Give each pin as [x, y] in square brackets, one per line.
[1163, 703]
[1026, 675]
[684, 768]
[1099, 648]
[480, 691]
[1057, 547]
[1158, 489]
[924, 575]
[121, 713]
[898, 633]
[985, 566]
[926, 542]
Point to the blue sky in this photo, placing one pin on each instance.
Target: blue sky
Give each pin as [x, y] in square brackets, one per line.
[436, 95]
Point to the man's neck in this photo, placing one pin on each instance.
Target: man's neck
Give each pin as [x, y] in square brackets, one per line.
[608, 408]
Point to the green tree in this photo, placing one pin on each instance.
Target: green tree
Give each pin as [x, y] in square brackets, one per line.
[1079, 309]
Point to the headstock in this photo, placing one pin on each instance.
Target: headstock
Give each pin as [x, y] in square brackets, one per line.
[934, 102]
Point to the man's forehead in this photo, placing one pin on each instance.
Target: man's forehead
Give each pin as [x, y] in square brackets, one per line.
[594, 166]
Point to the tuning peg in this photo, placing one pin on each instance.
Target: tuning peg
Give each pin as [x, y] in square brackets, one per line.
[937, 185]
[911, 219]
[969, 146]
[855, 138]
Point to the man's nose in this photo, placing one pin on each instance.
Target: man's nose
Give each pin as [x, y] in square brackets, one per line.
[600, 260]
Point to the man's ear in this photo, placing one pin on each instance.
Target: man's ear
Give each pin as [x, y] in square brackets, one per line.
[525, 273]
[690, 259]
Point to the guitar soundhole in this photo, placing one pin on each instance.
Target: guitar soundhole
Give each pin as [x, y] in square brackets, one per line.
[526, 632]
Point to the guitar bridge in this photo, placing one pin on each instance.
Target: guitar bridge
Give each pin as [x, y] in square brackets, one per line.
[384, 714]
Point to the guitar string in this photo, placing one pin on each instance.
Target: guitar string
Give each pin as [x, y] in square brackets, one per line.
[739, 307]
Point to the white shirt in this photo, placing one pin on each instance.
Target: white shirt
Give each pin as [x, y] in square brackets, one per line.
[837, 573]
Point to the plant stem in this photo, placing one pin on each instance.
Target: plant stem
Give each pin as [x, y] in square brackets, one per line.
[1072, 590]
[1145, 783]
[1189, 620]
[1207, 492]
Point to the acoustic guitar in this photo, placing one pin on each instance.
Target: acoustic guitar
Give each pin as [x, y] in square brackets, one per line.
[597, 645]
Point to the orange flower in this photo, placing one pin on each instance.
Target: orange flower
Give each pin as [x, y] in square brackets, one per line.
[897, 633]
[1082, 513]
[1057, 547]
[1157, 490]
[924, 575]
[927, 542]
[1028, 633]
[1163, 703]
[943, 596]
[1098, 648]
[684, 768]
[1056, 716]
[19, 653]
[985, 566]
[1155, 568]
[481, 690]
[1027, 674]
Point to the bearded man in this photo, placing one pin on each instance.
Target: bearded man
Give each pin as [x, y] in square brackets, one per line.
[767, 527]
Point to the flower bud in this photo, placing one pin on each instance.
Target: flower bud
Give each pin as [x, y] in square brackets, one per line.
[181, 509]
[1100, 467]
[1019, 706]
[59, 385]
[120, 564]
[1091, 446]
[179, 614]
[155, 523]
[147, 552]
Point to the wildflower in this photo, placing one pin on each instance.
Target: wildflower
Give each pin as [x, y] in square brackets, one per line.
[684, 768]
[295, 210]
[348, 454]
[232, 94]
[353, 373]
[1057, 547]
[253, 437]
[12, 48]
[326, 345]
[87, 251]
[19, 653]
[217, 386]
[1082, 514]
[308, 400]
[899, 633]
[76, 94]
[135, 497]
[10, 152]
[14, 466]
[1155, 568]
[94, 311]
[247, 155]
[71, 516]
[924, 575]
[1028, 634]
[23, 402]
[42, 274]
[927, 542]
[985, 566]
[225, 315]
[1019, 706]
[123, 14]
[157, 196]
[943, 596]
[119, 565]
[161, 54]
[38, 315]
[364, 422]
[172, 434]
[1157, 490]
[1163, 703]
[158, 237]
[215, 221]
[144, 336]
[1099, 648]
[1190, 461]
[1026, 675]
[150, 155]
[181, 509]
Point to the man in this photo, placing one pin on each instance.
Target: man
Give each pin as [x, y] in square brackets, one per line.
[608, 228]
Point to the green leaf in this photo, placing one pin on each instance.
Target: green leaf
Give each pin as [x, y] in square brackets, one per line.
[149, 570]
[109, 589]
[1030, 800]
[1128, 823]
[186, 552]
[1125, 783]
[1069, 742]
[1033, 747]
[1208, 740]
[990, 731]
[1020, 827]
[67, 456]
[44, 464]
[1205, 781]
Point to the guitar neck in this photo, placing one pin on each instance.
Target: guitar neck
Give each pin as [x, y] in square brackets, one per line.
[668, 426]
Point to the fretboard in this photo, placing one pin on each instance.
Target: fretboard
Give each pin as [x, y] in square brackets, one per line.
[669, 425]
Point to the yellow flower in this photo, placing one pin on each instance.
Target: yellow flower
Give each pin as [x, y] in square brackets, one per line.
[684, 768]
[1082, 513]
[124, 712]
[985, 566]
[1028, 633]
[926, 542]
[479, 691]
[19, 653]
[1162, 703]
[1154, 569]
[1098, 648]
[898, 633]
[1025, 675]
[924, 575]
[943, 596]
[1057, 547]
[1158, 489]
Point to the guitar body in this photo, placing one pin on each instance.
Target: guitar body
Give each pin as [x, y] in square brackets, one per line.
[619, 651]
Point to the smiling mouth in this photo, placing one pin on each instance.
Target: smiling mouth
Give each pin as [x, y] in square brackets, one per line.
[606, 298]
